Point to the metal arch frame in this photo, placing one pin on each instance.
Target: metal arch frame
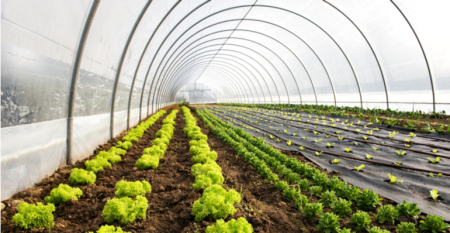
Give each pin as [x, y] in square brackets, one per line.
[270, 23]
[255, 60]
[236, 88]
[154, 56]
[190, 65]
[74, 79]
[240, 38]
[119, 67]
[268, 73]
[423, 53]
[272, 7]
[371, 48]
[140, 60]
[242, 66]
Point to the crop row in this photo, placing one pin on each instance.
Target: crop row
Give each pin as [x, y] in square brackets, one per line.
[215, 202]
[124, 209]
[338, 194]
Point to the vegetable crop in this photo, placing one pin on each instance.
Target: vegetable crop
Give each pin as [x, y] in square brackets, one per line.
[125, 210]
[63, 194]
[82, 177]
[215, 202]
[132, 189]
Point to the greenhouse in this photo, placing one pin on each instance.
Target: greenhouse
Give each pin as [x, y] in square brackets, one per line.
[225, 116]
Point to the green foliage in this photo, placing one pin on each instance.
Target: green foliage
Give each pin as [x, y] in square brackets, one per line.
[111, 157]
[334, 184]
[361, 220]
[31, 216]
[434, 160]
[329, 223]
[82, 177]
[312, 209]
[147, 161]
[300, 201]
[341, 207]
[97, 164]
[233, 226]
[289, 194]
[204, 157]
[154, 151]
[110, 229]
[315, 190]
[408, 210]
[367, 200]
[406, 227]
[434, 194]
[210, 178]
[319, 178]
[327, 198]
[304, 184]
[124, 145]
[377, 230]
[293, 178]
[282, 185]
[345, 230]
[125, 210]
[387, 213]
[433, 224]
[117, 151]
[132, 189]
[63, 194]
[393, 179]
[215, 202]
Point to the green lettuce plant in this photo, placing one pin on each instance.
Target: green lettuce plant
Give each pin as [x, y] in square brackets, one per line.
[63, 194]
[368, 200]
[361, 220]
[327, 198]
[233, 226]
[110, 229]
[34, 216]
[82, 177]
[329, 223]
[97, 164]
[433, 224]
[341, 207]
[147, 161]
[387, 213]
[132, 189]
[312, 209]
[408, 210]
[125, 210]
[406, 227]
[377, 230]
[215, 202]
[124, 145]
[111, 157]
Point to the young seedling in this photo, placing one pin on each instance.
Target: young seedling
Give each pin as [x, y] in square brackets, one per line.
[327, 136]
[369, 132]
[278, 140]
[365, 138]
[345, 127]
[289, 143]
[318, 153]
[398, 163]
[393, 179]
[435, 160]
[257, 130]
[376, 129]
[335, 160]
[329, 145]
[348, 150]
[301, 148]
[368, 156]
[407, 145]
[434, 194]
[374, 148]
[355, 143]
[338, 132]
[316, 141]
[271, 137]
[434, 151]
[358, 130]
[306, 129]
[401, 153]
[341, 138]
[285, 131]
[277, 129]
[314, 132]
[359, 167]
[304, 137]
[438, 175]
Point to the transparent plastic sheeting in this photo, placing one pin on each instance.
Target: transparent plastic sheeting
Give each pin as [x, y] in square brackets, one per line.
[384, 53]
[196, 93]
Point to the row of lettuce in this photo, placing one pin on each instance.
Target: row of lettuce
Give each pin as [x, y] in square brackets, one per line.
[123, 208]
[216, 202]
[333, 193]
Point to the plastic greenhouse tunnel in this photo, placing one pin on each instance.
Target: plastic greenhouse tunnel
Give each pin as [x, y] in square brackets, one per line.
[225, 116]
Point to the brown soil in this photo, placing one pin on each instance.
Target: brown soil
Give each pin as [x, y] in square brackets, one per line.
[172, 196]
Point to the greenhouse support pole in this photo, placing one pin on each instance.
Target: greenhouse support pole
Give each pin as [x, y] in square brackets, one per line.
[119, 67]
[75, 73]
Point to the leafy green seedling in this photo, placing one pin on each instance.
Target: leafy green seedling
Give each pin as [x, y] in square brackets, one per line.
[338, 132]
[355, 143]
[398, 163]
[327, 136]
[393, 179]
[407, 145]
[289, 143]
[374, 148]
[435, 160]
[341, 138]
[63, 194]
[406, 227]
[329, 223]
[348, 150]
[376, 129]
[315, 132]
[358, 130]
[306, 129]
[301, 148]
[312, 209]
[304, 137]
[362, 220]
[294, 134]
[271, 137]
[434, 224]
[318, 153]
[431, 175]
[401, 153]
[359, 167]
[365, 138]
[285, 131]
[278, 140]
[277, 129]
[368, 156]
[316, 141]
[434, 151]
[434, 194]
[336, 160]
[329, 145]
[387, 213]
[31, 216]
[408, 210]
